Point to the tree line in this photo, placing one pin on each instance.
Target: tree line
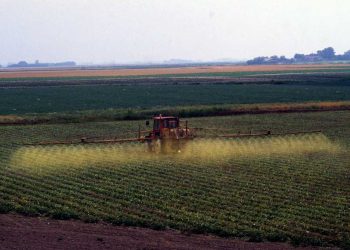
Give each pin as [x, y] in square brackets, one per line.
[24, 64]
[326, 54]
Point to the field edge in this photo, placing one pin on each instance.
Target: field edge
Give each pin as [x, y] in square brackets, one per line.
[50, 232]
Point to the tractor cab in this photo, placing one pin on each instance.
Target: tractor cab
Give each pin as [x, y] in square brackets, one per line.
[167, 134]
[162, 125]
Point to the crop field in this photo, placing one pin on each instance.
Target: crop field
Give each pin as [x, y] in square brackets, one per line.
[291, 188]
[224, 85]
[99, 97]
[155, 71]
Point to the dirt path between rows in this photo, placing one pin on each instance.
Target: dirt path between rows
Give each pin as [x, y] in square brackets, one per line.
[19, 232]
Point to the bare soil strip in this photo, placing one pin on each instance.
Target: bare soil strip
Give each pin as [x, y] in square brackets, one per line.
[20, 232]
[80, 72]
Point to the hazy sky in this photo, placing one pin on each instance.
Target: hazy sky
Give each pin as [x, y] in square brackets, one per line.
[123, 31]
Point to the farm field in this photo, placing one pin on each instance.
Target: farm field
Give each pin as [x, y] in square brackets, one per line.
[155, 71]
[301, 195]
[101, 97]
[219, 85]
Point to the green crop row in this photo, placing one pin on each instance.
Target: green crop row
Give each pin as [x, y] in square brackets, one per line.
[302, 198]
[70, 99]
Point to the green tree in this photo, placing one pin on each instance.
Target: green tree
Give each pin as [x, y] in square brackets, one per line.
[327, 53]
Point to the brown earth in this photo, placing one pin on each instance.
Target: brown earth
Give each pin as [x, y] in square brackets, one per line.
[79, 72]
[19, 232]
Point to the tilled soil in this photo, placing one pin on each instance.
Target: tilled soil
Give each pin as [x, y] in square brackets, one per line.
[20, 232]
[73, 72]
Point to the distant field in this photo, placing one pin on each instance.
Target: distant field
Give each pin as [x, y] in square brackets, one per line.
[260, 192]
[54, 73]
[78, 90]
[99, 97]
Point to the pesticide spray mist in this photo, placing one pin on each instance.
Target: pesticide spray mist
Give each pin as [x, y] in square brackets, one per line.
[261, 146]
[74, 156]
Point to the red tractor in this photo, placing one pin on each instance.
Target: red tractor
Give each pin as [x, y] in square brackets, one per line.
[167, 134]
